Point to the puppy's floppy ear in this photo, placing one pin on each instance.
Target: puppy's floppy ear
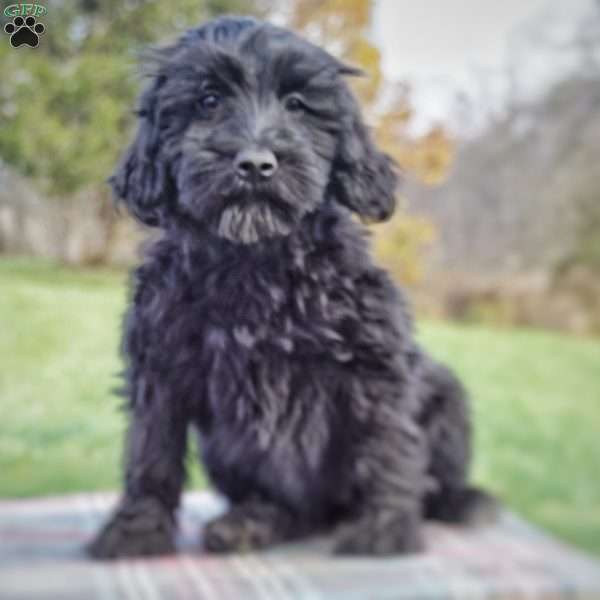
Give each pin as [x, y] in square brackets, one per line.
[141, 179]
[363, 178]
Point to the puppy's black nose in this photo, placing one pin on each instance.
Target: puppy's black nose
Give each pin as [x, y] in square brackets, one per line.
[255, 163]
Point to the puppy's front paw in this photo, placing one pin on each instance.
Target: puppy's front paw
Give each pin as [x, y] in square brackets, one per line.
[138, 528]
[381, 535]
[237, 532]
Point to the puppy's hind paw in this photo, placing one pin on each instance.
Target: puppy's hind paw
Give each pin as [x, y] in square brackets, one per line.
[235, 532]
[381, 536]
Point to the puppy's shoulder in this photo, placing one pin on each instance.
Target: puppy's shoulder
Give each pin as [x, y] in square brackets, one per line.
[161, 266]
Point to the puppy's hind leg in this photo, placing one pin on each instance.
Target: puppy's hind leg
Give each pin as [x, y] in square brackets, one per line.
[389, 477]
[445, 420]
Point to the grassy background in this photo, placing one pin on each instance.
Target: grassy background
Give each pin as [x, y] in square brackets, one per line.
[536, 399]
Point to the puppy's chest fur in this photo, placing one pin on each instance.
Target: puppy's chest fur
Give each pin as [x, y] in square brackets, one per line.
[298, 301]
[266, 344]
[247, 313]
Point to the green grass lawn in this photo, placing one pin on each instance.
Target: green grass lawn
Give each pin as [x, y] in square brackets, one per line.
[536, 399]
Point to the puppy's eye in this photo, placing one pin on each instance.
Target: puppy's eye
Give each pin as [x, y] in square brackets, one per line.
[210, 102]
[294, 103]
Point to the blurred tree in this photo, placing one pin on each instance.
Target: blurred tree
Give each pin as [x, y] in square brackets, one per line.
[523, 193]
[427, 156]
[399, 245]
[65, 108]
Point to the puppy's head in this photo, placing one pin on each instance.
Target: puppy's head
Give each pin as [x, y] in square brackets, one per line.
[244, 129]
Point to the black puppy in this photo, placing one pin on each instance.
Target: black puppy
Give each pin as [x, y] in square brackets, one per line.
[260, 320]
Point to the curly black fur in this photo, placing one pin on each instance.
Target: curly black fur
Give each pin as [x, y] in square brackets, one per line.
[260, 320]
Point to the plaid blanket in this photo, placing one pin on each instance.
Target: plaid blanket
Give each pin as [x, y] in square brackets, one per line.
[41, 557]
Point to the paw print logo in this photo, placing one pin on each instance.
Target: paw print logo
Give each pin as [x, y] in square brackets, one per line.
[24, 32]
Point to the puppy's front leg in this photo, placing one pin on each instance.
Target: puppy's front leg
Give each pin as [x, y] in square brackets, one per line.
[144, 522]
[390, 474]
